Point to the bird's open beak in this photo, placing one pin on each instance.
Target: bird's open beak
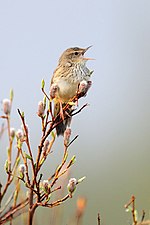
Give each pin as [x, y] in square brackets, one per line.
[85, 49]
[88, 48]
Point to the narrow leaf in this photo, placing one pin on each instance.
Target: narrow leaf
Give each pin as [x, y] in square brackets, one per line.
[28, 156]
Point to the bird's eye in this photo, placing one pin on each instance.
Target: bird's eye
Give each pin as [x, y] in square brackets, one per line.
[76, 53]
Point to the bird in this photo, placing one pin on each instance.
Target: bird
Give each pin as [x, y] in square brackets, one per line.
[69, 73]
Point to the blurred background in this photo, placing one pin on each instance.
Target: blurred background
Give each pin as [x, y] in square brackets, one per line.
[113, 148]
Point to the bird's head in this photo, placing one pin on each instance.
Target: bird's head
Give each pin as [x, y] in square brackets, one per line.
[74, 55]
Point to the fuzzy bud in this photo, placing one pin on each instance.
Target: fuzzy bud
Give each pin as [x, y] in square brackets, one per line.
[89, 84]
[20, 134]
[67, 135]
[46, 187]
[53, 90]
[45, 183]
[21, 170]
[41, 109]
[23, 129]
[6, 106]
[45, 147]
[84, 86]
[12, 132]
[71, 186]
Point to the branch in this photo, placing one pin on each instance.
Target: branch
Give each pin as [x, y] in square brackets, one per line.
[8, 215]
[146, 222]
[27, 141]
[98, 219]
[73, 114]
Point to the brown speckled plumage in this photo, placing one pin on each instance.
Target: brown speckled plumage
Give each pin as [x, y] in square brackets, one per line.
[71, 70]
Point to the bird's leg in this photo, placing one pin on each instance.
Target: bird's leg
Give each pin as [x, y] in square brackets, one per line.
[77, 101]
[68, 114]
[61, 110]
[76, 98]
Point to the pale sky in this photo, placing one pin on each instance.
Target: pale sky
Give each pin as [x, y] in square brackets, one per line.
[113, 148]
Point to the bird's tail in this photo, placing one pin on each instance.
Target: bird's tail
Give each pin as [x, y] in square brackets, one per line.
[62, 123]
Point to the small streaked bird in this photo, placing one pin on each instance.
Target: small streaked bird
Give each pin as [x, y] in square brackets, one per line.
[68, 75]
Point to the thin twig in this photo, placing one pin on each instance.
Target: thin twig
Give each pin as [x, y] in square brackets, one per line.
[143, 216]
[45, 93]
[7, 202]
[2, 130]
[98, 219]
[132, 202]
[9, 180]
[56, 203]
[60, 166]
[12, 211]
[146, 222]
[25, 163]
[27, 141]
[73, 114]
[41, 146]
[72, 140]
